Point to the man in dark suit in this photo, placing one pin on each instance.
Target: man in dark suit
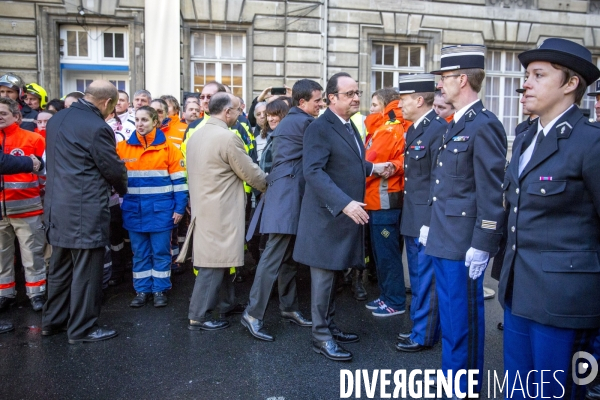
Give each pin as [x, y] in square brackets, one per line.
[82, 165]
[423, 140]
[10, 164]
[467, 213]
[331, 228]
[551, 273]
[281, 211]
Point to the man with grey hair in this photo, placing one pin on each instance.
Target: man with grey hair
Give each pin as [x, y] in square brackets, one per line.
[82, 166]
[141, 98]
[217, 166]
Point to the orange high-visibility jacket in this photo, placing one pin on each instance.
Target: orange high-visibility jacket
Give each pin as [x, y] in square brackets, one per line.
[175, 130]
[386, 144]
[21, 195]
[156, 182]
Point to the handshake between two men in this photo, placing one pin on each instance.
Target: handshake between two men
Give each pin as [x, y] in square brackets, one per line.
[355, 209]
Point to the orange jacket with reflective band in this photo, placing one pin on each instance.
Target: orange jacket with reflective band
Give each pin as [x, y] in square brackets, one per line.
[175, 130]
[386, 144]
[156, 182]
[21, 195]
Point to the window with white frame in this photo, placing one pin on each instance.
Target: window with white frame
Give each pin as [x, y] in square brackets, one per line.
[219, 57]
[590, 101]
[94, 44]
[504, 75]
[389, 61]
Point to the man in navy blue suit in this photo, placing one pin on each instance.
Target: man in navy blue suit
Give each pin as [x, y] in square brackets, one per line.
[467, 213]
[551, 273]
[423, 140]
[331, 226]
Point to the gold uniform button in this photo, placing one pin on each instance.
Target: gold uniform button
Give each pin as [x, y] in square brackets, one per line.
[543, 190]
[512, 229]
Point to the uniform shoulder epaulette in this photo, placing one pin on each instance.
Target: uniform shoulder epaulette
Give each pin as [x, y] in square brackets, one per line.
[486, 112]
[594, 124]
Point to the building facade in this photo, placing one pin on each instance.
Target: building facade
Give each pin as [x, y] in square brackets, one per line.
[171, 46]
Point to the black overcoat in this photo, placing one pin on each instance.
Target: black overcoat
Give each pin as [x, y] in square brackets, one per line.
[81, 166]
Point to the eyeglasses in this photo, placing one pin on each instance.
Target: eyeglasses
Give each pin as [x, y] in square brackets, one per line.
[351, 93]
[442, 77]
[205, 97]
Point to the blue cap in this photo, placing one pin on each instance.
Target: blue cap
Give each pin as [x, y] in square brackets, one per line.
[566, 53]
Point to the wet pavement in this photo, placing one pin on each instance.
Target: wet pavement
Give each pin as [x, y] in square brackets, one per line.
[155, 355]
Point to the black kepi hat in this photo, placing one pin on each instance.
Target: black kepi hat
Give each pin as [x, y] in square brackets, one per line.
[462, 56]
[417, 83]
[566, 53]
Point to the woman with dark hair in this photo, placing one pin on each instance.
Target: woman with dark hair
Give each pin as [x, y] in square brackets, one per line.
[56, 105]
[155, 202]
[276, 111]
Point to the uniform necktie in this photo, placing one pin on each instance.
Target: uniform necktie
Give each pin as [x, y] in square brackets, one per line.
[539, 139]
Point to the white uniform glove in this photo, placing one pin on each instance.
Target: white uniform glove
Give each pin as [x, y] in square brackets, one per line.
[423, 233]
[477, 261]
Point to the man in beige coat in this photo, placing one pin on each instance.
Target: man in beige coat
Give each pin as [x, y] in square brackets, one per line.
[217, 166]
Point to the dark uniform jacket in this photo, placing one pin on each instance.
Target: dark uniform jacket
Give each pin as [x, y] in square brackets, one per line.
[466, 194]
[81, 166]
[28, 118]
[551, 271]
[335, 172]
[285, 182]
[422, 147]
[524, 126]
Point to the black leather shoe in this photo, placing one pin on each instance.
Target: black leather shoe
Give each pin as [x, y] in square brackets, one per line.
[404, 335]
[160, 299]
[296, 317]
[140, 300]
[593, 392]
[96, 336]
[213, 325]
[53, 331]
[6, 302]
[410, 346]
[358, 288]
[37, 303]
[6, 327]
[237, 309]
[332, 350]
[255, 327]
[342, 337]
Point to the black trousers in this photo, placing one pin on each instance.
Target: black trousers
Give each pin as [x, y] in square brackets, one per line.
[276, 263]
[213, 287]
[322, 298]
[74, 290]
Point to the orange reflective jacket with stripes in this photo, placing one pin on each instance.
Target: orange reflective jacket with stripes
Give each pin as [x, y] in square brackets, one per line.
[175, 130]
[156, 182]
[20, 196]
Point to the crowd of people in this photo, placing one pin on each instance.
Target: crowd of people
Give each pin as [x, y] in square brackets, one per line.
[100, 182]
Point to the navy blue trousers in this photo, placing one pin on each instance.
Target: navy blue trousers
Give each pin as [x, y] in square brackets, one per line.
[529, 345]
[460, 301]
[151, 261]
[424, 303]
[385, 243]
